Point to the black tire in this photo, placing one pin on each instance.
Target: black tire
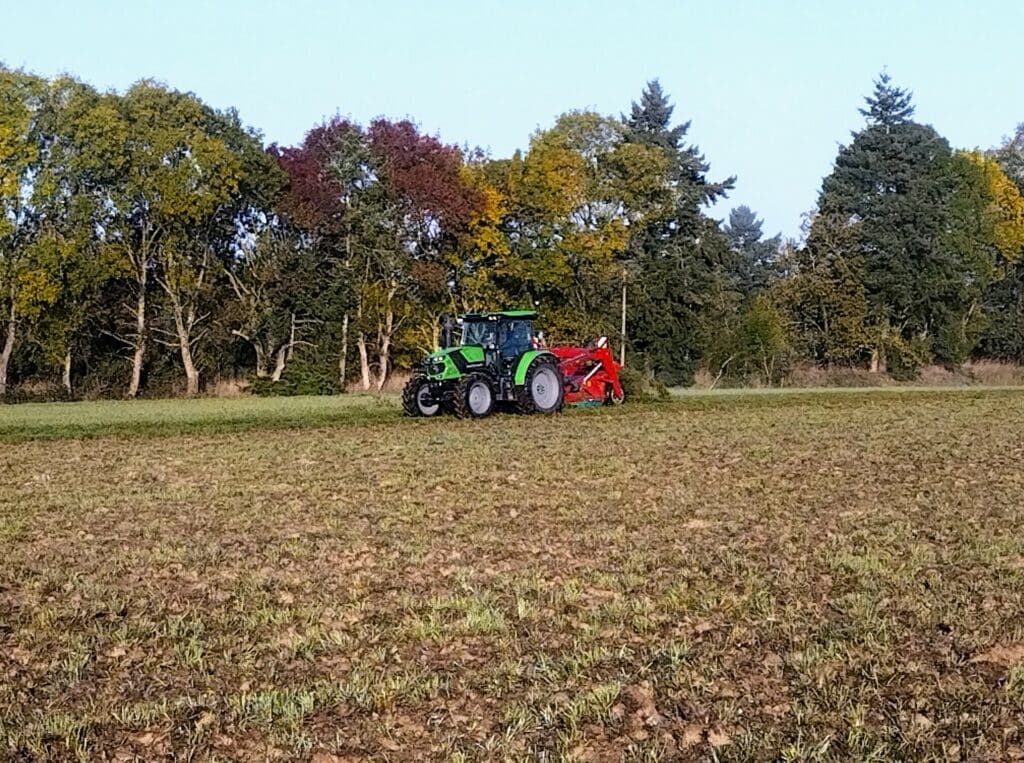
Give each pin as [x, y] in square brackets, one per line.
[413, 403]
[469, 400]
[529, 398]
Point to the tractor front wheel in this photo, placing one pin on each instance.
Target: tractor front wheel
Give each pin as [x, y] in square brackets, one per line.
[544, 389]
[416, 398]
[474, 397]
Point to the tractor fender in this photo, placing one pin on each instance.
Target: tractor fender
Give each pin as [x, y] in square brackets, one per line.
[523, 364]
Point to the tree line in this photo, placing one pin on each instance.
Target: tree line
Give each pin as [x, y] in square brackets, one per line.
[150, 244]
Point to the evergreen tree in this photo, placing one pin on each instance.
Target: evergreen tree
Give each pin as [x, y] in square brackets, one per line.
[889, 105]
[650, 123]
[897, 179]
[760, 256]
[685, 277]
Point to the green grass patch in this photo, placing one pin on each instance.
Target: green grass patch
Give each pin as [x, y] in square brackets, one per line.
[48, 421]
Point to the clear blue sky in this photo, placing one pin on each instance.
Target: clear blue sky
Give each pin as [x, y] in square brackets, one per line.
[771, 87]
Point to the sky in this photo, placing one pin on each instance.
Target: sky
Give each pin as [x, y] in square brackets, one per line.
[772, 88]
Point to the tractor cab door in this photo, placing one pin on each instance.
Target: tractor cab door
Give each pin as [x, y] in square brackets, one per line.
[514, 338]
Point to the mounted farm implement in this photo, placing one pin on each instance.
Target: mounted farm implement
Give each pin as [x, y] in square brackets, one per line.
[500, 361]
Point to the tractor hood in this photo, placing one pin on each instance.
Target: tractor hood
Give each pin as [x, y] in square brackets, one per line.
[471, 353]
[453, 362]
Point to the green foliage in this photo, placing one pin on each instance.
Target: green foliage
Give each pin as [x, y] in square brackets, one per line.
[298, 379]
[1003, 334]
[148, 226]
[680, 294]
[641, 386]
[684, 280]
[760, 256]
[758, 346]
[933, 230]
[889, 105]
[824, 296]
[905, 357]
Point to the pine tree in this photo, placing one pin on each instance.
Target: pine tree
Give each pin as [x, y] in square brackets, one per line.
[759, 264]
[685, 279]
[743, 228]
[650, 120]
[650, 123]
[889, 105]
[924, 265]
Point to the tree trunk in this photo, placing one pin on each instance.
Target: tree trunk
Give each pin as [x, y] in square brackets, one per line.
[185, 345]
[343, 360]
[878, 361]
[191, 372]
[284, 353]
[140, 336]
[364, 362]
[291, 340]
[67, 372]
[384, 354]
[261, 360]
[622, 351]
[382, 374]
[282, 361]
[8, 350]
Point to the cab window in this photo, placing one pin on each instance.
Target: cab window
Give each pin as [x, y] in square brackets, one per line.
[514, 337]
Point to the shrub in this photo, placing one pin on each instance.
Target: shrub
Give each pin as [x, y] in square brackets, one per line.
[905, 357]
[298, 379]
[641, 386]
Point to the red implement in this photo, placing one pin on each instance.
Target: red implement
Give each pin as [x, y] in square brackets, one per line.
[591, 374]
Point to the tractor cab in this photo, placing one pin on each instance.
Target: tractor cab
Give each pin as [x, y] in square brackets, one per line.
[503, 336]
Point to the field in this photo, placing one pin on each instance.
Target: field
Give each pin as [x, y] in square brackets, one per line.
[813, 576]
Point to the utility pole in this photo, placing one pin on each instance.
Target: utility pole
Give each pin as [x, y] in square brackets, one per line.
[622, 350]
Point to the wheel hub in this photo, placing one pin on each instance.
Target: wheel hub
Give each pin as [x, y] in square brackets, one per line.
[425, 402]
[544, 388]
[479, 397]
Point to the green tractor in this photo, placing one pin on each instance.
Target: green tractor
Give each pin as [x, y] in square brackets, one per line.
[498, 361]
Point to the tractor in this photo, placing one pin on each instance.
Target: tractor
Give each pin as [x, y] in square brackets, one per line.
[499, 360]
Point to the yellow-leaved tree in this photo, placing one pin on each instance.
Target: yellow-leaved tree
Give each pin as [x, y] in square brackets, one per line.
[571, 203]
[25, 283]
[988, 230]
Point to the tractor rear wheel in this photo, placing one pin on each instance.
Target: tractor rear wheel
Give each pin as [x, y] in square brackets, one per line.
[474, 397]
[544, 389]
[416, 399]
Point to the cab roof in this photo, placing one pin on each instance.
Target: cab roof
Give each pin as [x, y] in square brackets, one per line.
[521, 314]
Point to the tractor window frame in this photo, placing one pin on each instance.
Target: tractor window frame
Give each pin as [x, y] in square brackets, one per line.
[477, 330]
